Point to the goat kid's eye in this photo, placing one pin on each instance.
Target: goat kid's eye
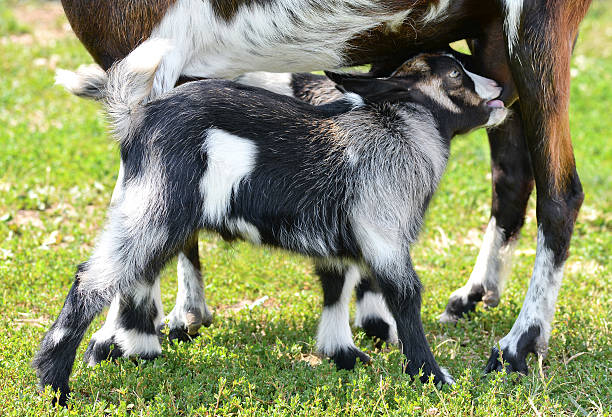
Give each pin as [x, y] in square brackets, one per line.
[454, 74]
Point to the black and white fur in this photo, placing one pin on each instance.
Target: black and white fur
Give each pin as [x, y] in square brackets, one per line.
[372, 314]
[346, 183]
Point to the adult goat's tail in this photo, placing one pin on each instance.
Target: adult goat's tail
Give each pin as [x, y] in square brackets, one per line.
[124, 88]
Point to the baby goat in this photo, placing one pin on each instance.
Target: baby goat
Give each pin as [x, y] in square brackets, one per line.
[346, 183]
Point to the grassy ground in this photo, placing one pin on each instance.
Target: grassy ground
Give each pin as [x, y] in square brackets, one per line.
[57, 170]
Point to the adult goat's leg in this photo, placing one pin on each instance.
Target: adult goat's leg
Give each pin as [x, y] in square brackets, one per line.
[512, 183]
[540, 39]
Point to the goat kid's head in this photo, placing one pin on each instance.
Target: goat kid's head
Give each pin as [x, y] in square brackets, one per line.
[460, 100]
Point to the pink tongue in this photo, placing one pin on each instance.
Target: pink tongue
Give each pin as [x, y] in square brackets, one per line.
[495, 103]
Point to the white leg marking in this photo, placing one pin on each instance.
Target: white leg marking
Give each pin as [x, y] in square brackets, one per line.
[334, 332]
[190, 295]
[539, 305]
[514, 9]
[492, 267]
[373, 305]
[230, 160]
[133, 342]
[107, 331]
[58, 335]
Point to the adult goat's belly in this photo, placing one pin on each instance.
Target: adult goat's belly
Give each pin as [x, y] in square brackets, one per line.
[228, 38]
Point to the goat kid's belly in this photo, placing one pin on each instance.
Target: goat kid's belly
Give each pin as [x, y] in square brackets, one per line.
[229, 39]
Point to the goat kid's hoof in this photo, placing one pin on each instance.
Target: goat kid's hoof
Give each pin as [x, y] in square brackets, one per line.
[379, 330]
[101, 350]
[61, 399]
[347, 358]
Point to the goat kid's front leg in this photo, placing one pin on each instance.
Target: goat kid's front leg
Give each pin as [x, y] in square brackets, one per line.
[334, 336]
[402, 291]
[512, 183]
[190, 311]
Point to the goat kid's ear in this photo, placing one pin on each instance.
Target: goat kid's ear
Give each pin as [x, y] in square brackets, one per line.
[370, 89]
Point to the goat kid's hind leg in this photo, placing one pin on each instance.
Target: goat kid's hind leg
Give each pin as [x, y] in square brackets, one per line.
[334, 337]
[55, 357]
[131, 326]
[512, 183]
[402, 291]
[539, 48]
[190, 311]
[372, 314]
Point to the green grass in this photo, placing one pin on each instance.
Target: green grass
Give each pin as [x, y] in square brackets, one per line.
[57, 171]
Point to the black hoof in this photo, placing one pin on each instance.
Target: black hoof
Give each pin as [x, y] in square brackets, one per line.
[346, 358]
[513, 363]
[459, 307]
[181, 335]
[515, 360]
[62, 398]
[377, 329]
[100, 351]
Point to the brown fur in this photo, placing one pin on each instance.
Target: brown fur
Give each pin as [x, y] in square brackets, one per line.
[111, 29]
[552, 27]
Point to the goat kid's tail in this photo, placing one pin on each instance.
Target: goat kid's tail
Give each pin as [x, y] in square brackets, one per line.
[124, 88]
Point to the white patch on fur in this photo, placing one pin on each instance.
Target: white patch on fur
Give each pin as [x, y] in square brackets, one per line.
[112, 326]
[135, 343]
[58, 334]
[514, 9]
[492, 267]
[190, 296]
[279, 83]
[447, 376]
[355, 99]
[88, 81]
[135, 230]
[436, 11]
[486, 88]
[398, 21]
[334, 331]
[540, 301]
[244, 229]
[381, 244]
[230, 159]
[108, 329]
[280, 36]
[373, 305]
